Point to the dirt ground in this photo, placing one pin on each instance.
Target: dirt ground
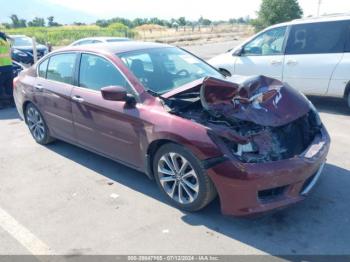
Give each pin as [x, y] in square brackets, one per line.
[187, 36]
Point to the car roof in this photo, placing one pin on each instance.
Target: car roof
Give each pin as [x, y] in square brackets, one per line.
[103, 38]
[324, 18]
[115, 47]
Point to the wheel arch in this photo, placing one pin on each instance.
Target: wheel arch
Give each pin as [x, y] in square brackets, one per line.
[151, 150]
[24, 107]
[209, 188]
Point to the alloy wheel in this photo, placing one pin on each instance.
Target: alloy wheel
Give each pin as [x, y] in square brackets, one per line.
[178, 178]
[36, 124]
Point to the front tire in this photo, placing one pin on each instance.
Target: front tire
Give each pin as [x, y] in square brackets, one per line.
[37, 125]
[181, 178]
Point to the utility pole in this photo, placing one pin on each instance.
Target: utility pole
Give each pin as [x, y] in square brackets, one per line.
[319, 7]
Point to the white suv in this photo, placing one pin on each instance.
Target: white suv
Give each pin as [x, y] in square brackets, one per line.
[311, 55]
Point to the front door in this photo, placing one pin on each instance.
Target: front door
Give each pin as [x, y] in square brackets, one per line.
[108, 127]
[263, 55]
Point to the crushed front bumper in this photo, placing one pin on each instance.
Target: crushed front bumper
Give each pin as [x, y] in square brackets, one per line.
[246, 188]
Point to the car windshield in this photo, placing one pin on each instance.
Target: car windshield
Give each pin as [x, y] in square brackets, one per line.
[22, 41]
[163, 69]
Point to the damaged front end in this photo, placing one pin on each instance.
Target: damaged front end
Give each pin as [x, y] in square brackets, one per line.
[258, 119]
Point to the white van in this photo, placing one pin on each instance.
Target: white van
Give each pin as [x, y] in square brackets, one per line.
[312, 55]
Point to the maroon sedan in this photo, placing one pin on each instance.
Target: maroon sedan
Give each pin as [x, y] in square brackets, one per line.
[256, 142]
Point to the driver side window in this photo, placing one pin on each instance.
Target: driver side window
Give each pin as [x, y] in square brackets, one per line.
[96, 72]
[267, 43]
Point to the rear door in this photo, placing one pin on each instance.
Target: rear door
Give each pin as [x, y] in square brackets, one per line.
[341, 77]
[263, 55]
[108, 127]
[53, 93]
[313, 50]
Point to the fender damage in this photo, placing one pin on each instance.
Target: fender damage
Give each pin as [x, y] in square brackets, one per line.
[259, 119]
[271, 137]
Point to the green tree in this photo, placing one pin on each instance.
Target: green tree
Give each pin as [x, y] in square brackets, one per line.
[139, 21]
[37, 22]
[121, 20]
[118, 27]
[232, 21]
[79, 23]
[51, 22]
[240, 20]
[181, 21]
[16, 22]
[276, 11]
[102, 23]
[206, 22]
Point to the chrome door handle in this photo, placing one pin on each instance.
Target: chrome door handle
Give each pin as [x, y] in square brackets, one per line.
[39, 87]
[292, 62]
[276, 62]
[78, 99]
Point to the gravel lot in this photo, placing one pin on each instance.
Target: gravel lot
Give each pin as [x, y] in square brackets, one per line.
[61, 199]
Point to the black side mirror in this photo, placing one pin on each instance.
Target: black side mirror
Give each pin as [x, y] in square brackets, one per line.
[238, 51]
[114, 93]
[224, 72]
[118, 93]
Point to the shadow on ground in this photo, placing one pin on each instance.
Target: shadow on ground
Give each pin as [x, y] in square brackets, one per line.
[108, 168]
[8, 113]
[331, 105]
[319, 225]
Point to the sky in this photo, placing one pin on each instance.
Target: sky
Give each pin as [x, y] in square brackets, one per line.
[191, 9]
[68, 11]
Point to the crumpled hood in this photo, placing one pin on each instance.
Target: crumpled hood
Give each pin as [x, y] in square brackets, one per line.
[259, 99]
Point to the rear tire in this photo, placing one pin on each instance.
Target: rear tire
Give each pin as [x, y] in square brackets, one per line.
[37, 125]
[181, 178]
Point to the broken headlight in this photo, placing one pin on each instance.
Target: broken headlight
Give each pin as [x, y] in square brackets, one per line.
[240, 149]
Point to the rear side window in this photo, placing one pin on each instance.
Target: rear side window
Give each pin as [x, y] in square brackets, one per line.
[43, 68]
[317, 38]
[61, 68]
[97, 72]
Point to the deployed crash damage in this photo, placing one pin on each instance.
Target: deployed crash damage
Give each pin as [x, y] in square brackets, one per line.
[254, 141]
[259, 119]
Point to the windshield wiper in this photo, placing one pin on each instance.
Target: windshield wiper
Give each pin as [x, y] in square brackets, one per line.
[152, 92]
